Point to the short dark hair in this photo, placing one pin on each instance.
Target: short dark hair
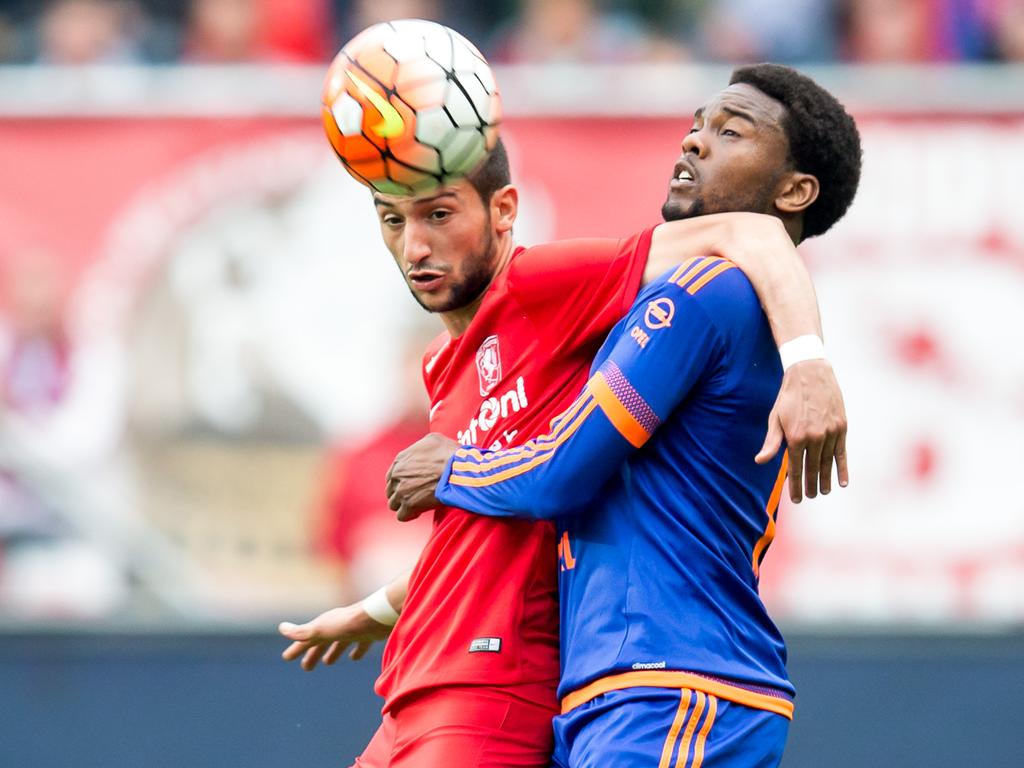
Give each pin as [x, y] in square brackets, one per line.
[492, 174]
[823, 139]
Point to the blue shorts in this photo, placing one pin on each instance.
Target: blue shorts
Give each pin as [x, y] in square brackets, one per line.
[667, 728]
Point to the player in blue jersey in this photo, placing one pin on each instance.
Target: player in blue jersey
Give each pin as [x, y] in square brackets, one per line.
[664, 516]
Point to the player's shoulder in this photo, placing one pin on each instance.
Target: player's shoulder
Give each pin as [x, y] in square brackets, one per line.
[580, 255]
[576, 252]
[714, 284]
[708, 279]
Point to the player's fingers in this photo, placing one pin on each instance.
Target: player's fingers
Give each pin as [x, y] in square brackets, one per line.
[293, 651]
[334, 652]
[295, 631]
[812, 465]
[828, 451]
[796, 469]
[309, 661]
[842, 471]
[394, 502]
[772, 441]
[389, 481]
[360, 650]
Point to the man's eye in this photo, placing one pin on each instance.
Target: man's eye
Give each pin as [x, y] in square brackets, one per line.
[438, 215]
[694, 129]
[392, 221]
[729, 132]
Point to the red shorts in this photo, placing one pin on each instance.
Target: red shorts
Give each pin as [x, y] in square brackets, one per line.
[472, 727]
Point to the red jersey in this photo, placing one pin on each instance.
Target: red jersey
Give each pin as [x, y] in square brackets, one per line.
[482, 606]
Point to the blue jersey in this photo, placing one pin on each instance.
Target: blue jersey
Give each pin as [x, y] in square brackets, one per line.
[663, 515]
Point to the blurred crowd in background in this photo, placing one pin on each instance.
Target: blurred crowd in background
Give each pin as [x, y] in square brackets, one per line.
[73, 32]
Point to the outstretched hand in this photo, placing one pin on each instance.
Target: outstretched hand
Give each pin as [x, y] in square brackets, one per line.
[327, 636]
[414, 475]
[809, 414]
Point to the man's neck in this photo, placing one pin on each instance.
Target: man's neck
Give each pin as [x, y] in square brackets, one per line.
[458, 320]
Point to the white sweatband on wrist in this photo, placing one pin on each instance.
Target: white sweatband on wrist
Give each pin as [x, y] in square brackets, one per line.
[379, 608]
[809, 347]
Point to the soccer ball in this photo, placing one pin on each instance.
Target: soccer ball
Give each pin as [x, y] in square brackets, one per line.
[409, 105]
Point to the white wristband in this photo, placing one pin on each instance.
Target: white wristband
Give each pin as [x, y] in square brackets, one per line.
[809, 347]
[379, 608]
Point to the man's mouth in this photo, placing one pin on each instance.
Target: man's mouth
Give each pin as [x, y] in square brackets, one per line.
[683, 176]
[426, 279]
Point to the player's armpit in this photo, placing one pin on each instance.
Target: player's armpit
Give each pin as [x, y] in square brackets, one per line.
[810, 415]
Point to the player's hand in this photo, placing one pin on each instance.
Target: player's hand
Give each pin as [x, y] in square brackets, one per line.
[327, 636]
[809, 414]
[413, 476]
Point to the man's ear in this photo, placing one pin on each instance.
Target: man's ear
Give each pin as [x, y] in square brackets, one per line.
[505, 208]
[797, 193]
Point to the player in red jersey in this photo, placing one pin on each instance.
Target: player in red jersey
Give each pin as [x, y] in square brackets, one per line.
[470, 669]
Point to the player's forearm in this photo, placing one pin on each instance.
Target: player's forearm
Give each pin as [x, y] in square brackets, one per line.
[760, 246]
[398, 590]
[544, 479]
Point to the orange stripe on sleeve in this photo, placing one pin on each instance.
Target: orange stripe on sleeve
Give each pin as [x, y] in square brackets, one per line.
[683, 758]
[708, 276]
[673, 732]
[478, 482]
[695, 267]
[617, 413]
[682, 268]
[698, 748]
[770, 509]
[545, 442]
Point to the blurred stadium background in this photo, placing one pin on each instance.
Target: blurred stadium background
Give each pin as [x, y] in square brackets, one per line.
[207, 361]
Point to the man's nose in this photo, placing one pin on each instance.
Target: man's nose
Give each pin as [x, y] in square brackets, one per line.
[693, 143]
[416, 247]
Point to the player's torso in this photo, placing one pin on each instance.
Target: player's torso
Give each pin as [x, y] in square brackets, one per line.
[659, 574]
[483, 603]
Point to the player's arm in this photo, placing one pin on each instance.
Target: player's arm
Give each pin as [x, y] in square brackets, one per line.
[361, 624]
[760, 246]
[809, 412]
[646, 376]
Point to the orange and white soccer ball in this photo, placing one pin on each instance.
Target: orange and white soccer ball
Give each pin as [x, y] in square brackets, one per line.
[409, 105]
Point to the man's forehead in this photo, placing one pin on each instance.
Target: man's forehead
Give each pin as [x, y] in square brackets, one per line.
[452, 191]
[747, 99]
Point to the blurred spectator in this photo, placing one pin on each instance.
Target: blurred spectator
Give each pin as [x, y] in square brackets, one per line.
[222, 31]
[8, 39]
[75, 32]
[53, 432]
[1009, 30]
[365, 13]
[578, 31]
[239, 31]
[907, 31]
[297, 31]
[356, 525]
[34, 379]
[794, 31]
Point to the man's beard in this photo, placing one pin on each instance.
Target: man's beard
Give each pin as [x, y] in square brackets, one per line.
[671, 211]
[472, 285]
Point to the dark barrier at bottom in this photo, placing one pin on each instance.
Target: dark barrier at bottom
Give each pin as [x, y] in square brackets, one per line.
[226, 700]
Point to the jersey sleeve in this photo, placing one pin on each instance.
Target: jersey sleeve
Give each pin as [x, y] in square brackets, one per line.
[669, 341]
[579, 289]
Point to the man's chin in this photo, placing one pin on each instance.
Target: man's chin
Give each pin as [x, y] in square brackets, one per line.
[675, 210]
